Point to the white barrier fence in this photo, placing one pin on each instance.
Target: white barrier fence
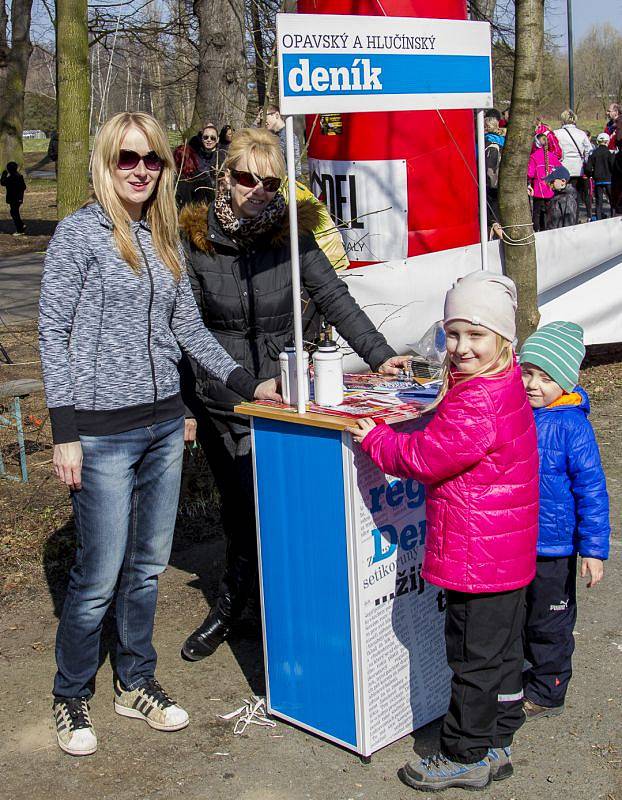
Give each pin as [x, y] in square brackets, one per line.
[579, 279]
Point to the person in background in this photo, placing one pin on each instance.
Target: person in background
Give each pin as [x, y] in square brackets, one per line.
[224, 138]
[563, 208]
[616, 172]
[15, 186]
[478, 460]
[574, 511]
[541, 163]
[188, 186]
[599, 167]
[115, 307]
[576, 148]
[210, 160]
[613, 112]
[239, 262]
[494, 142]
[552, 141]
[505, 119]
[276, 124]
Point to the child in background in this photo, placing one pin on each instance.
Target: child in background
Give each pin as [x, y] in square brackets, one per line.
[15, 188]
[574, 511]
[599, 166]
[478, 459]
[563, 207]
[541, 163]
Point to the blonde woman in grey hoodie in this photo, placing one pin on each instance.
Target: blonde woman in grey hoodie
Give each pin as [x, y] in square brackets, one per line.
[115, 307]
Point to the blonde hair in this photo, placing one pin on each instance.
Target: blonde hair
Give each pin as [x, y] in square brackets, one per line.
[259, 145]
[568, 117]
[491, 125]
[160, 209]
[501, 363]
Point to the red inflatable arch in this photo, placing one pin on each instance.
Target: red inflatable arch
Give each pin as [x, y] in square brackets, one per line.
[440, 194]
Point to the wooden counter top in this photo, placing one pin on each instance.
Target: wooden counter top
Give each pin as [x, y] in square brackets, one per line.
[313, 418]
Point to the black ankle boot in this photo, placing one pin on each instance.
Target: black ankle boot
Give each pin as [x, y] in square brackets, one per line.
[208, 637]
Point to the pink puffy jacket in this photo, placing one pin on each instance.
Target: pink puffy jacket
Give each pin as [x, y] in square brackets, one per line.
[537, 171]
[478, 458]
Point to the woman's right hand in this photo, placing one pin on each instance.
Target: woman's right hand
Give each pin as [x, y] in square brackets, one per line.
[67, 461]
[268, 390]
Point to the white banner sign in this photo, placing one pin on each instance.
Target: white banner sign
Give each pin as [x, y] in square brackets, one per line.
[369, 199]
[334, 63]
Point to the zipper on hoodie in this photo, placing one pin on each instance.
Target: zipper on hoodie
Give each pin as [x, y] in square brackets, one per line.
[151, 296]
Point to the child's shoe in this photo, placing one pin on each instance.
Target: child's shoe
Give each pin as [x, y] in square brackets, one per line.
[534, 711]
[437, 772]
[74, 730]
[500, 759]
[151, 703]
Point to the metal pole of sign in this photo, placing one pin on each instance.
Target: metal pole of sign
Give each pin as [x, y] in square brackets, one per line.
[570, 56]
[481, 180]
[293, 238]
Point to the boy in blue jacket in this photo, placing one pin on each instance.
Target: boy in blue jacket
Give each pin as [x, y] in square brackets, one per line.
[574, 511]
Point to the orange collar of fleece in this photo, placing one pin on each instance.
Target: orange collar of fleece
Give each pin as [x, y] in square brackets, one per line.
[570, 399]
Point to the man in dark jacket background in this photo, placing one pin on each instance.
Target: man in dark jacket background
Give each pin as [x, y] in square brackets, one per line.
[599, 166]
[15, 186]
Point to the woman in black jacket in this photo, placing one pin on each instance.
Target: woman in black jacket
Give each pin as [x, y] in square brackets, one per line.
[210, 158]
[239, 265]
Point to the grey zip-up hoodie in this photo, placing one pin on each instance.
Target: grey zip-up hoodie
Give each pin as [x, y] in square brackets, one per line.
[109, 337]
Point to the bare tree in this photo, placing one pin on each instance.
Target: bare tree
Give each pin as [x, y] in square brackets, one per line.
[519, 242]
[14, 56]
[221, 83]
[72, 81]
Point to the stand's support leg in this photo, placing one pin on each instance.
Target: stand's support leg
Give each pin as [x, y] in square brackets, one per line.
[365, 760]
[20, 440]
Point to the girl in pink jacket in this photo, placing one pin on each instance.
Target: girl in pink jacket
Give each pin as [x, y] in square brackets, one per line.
[542, 162]
[478, 458]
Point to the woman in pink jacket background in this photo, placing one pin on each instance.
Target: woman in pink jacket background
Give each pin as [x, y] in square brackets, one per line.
[478, 458]
[542, 162]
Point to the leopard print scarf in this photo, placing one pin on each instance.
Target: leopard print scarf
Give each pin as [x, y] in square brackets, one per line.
[245, 231]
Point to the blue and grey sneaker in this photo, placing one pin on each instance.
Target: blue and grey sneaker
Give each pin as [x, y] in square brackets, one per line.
[500, 759]
[437, 772]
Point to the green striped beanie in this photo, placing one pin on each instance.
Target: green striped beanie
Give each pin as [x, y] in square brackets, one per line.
[558, 349]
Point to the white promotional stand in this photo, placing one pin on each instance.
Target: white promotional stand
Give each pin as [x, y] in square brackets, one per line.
[353, 636]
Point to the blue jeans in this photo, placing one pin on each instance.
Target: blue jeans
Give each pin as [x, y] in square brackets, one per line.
[125, 517]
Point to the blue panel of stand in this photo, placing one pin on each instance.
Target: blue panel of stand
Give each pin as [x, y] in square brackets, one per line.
[300, 496]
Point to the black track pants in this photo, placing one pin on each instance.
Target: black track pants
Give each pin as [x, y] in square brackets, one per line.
[483, 635]
[550, 621]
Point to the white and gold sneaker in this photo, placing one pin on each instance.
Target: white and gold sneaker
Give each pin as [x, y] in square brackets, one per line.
[151, 703]
[74, 729]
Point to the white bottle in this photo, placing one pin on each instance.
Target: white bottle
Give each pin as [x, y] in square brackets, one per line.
[328, 374]
[289, 384]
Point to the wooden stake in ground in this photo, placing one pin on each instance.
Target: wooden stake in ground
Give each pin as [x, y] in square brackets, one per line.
[519, 244]
[72, 78]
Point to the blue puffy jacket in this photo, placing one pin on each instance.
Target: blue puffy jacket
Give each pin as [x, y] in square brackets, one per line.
[574, 505]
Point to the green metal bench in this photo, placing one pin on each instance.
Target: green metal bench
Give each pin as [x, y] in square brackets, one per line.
[14, 391]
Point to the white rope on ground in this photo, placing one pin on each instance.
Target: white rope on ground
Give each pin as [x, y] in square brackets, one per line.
[253, 712]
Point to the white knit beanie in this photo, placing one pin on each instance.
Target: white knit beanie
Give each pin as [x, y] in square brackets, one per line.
[484, 298]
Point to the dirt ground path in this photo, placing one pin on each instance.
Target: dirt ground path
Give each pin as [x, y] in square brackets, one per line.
[574, 757]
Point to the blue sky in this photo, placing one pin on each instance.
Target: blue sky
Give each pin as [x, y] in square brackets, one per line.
[585, 14]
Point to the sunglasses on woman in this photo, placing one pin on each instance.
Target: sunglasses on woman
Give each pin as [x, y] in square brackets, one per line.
[209, 138]
[270, 184]
[129, 159]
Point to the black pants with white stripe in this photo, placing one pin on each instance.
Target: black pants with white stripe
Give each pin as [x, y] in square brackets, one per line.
[483, 636]
[549, 641]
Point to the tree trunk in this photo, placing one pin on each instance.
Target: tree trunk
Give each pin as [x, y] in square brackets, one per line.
[483, 9]
[520, 258]
[13, 70]
[260, 63]
[72, 80]
[221, 82]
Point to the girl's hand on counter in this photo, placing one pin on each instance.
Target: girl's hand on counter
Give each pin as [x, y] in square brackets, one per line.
[363, 427]
[268, 390]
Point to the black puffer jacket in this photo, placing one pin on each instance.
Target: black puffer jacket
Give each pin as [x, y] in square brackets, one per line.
[600, 164]
[245, 297]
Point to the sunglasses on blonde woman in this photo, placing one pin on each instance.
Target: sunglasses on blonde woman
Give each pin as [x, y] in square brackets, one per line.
[270, 184]
[129, 159]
